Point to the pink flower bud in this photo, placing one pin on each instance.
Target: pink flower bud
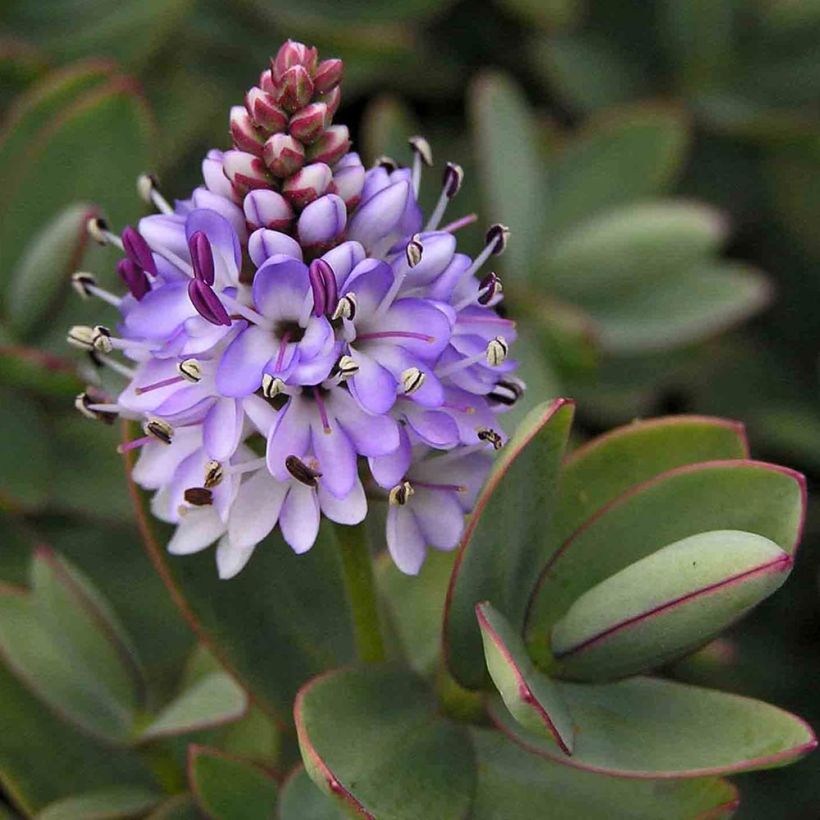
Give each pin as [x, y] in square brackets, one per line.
[331, 146]
[266, 82]
[245, 171]
[307, 124]
[295, 89]
[283, 155]
[213, 173]
[348, 181]
[308, 184]
[332, 100]
[267, 209]
[265, 112]
[293, 54]
[244, 133]
[328, 76]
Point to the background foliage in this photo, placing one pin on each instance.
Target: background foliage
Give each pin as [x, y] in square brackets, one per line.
[651, 159]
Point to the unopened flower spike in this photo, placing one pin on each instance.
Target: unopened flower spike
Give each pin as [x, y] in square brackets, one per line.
[294, 324]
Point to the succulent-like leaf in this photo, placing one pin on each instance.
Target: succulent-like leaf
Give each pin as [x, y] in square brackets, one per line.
[512, 783]
[36, 371]
[504, 544]
[386, 125]
[532, 698]
[301, 799]
[111, 803]
[743, 495]
[666, 604]
[178, 807]
[212, 701]
[653, 728]
[372, 739]
[24, 447]
[226, 787]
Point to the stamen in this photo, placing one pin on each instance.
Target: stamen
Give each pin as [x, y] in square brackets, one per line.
[214, 473]
[148, 189]
[199, 496]
[494, 354]
[246, 312]
[346, 367]
[117, 367]
[388, 163]
[346, 309]
[134, 444]
[507, 391]
[489, 287]
[448, 488]
[99, 231]
[490, 436]
[283, 346]
[411, 380]
[190, 370]
[414, 251]
[81, 282]
[497, 236]
[459, 408]
[458, 224]
[245, 467]
[101, 339]
[395, 334]
[400, 494]
[422, 154]
[272, 386]
[159, 429]
[158, 385]
[451, 184]
[302, 472]
[81, 337]
[320, 404]
[497, 351]
[86, 404]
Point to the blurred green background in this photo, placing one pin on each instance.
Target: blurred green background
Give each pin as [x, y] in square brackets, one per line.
[658, 165]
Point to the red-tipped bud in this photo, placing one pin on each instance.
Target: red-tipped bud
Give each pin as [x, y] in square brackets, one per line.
[293, 54]
[307, 124]
[295, 89]
[332, 100]
[267, 209]
[283, 155]
[266, 82]
[245, 171]
[328, 76]
[265, 112]
[308, 184]
[331, 146]
[244, 133]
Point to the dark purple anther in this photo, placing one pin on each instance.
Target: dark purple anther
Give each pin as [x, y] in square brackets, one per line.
[137, 250]
[134, 278]
[207, 303]
[490, 287]
[323, 285]
[202, 257]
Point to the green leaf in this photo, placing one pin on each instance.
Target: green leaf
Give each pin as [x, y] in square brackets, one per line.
[698, 303]
[532, 698]
[632, 247]
[26, 368]
[386, 126]
[503, 546]
[603, 468]
[666, 604]
[227, 788]
[511, 169]
[213, 701]
[300, 799]
[24, 446]
[647, 727]
[741, 495]
[296, 603]
[512, 783]
[621, 158]
[178, 807]
[549, 14]
[372, 739]
[111, 803]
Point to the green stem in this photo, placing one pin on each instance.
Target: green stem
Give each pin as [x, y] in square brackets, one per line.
[357, 567]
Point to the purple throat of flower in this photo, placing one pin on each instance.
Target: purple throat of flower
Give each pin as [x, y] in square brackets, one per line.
[297, 340]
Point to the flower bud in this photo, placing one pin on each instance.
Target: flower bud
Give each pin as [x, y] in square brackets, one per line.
[307, 184]
[295, 89]
[267, 209]
[332, 100]
[331, 146]
[293, 54]
[266, 82]
[283, 155]
[348, 182]
[138, 250]
[134, 278]
[307, 124]
[244, 133]
[213, 173]
[328, 76]
[265, 112]
[322, 220]
[245, 171]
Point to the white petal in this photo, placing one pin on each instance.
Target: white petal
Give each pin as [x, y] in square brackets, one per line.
[198, 529]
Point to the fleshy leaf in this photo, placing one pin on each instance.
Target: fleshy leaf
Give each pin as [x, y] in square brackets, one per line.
[37, 371]
[503, 546]
[372, 739]
[743, 495]
[178, 807]
[301, 799]
[103, 804]
[512, 783]
[226, 787]
[386, 125]
[666, 604]
[212, 701]
[25, 445]
[650, 728]
[532, 698]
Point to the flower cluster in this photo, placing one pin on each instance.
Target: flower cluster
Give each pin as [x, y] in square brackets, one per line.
[299, 341]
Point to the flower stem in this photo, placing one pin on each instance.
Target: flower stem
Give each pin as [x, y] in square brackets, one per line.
[357, 567]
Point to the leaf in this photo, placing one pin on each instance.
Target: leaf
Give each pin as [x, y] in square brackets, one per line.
[742, 495]
[103, 804]
[632, 247]
[386, 126]
[503, 546]
[296, 603]
[603, 468]
[300, 799]
[26, 368]
[622, 157]
[667, 604]
[511, 169]
[228, 788]
[548, 14]
[532, 698]
[178, 807]
[649, 728]
[213, 701]
[372, 739]
[512, 783]
[701, 302]
[48, 260]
